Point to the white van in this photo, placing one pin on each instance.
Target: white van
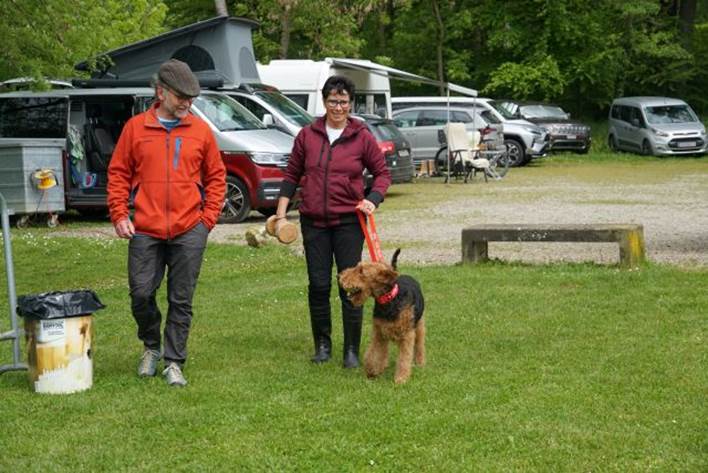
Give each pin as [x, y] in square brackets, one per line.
[301, 80]
[272, 107]
[90, 120]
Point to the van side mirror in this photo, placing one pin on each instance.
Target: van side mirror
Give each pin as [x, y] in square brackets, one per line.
[268, 120]
[635, 122]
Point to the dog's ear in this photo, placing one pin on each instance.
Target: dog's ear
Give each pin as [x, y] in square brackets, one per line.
[386, 275]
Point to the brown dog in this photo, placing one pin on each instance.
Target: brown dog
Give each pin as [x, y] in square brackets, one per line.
[397, 314]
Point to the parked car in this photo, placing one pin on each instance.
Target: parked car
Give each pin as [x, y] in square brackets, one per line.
[523, 139]
[420, 126]
[393, 145]
[566, 134]
[272, 107]
[90, 120]
[655, 126]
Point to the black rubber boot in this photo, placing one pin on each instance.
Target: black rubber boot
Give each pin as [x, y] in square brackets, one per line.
[352, 339]
[321, 323]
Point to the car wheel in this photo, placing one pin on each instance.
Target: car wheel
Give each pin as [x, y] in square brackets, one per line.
[517, 157]
[646, 148]
[237, 203]
[612, 143]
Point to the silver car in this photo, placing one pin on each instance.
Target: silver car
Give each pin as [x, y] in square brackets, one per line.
[420, 126]
[655, 126]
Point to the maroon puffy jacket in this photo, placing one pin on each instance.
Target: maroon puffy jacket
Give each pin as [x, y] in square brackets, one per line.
[331, 177]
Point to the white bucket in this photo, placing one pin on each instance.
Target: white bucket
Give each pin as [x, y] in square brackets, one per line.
[60, 354]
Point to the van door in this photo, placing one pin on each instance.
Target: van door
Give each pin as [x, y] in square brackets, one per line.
[427, 126]
[405, 121]
[95, 124]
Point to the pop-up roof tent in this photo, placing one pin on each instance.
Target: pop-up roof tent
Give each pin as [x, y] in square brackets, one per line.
[220, 47]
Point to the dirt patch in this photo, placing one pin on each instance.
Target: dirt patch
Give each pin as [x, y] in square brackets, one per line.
[672, 208]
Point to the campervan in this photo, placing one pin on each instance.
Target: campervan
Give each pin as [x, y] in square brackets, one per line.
[302, 79]
[89, 122]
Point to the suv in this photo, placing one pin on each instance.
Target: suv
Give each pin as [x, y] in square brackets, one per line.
[394, 147]
[89, 121]
[655, 125]
[420, 126]
[523, 139]
[270, 106]
[566, 134]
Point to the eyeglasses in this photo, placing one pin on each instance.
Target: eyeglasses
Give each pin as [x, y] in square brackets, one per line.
[334, 103]
[181, 98]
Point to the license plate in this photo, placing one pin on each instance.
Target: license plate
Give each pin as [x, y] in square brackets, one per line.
[403, 153]
[571, 137]
[686, 144]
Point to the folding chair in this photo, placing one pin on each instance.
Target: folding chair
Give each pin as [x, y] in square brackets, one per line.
[463, 147]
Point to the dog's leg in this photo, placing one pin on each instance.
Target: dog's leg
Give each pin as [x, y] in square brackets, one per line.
[420, 343]
[376, 358]
[405, 357]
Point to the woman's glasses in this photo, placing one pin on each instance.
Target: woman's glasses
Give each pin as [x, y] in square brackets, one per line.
[331, 103]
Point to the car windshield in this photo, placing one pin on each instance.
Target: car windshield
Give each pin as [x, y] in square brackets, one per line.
[385, 131]
[670, 114]
[226, 114]
[502, 111]
[542, 111]
[292, 111]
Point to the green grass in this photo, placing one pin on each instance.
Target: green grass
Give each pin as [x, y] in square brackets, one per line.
[531, 368]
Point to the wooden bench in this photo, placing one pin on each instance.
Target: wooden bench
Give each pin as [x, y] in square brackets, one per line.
[629, 236]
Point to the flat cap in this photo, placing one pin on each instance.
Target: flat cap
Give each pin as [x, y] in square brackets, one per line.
[177, 76]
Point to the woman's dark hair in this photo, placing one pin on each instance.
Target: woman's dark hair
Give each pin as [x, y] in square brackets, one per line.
[338, 85]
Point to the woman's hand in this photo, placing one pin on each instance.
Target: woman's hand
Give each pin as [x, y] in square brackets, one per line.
[366, 206]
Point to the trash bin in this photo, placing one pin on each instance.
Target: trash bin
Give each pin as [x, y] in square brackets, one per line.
[59, 334]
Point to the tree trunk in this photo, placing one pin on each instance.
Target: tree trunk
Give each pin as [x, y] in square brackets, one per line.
[687, 17]
[439, 47]
[285, 28]
[221, 9]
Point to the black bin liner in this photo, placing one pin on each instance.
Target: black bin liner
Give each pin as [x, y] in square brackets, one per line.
[58, 305]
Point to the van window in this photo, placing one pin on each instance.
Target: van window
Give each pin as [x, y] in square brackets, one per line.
[670, 114]
[291, 110]
[432, 118]
[406, 119]
[251, 105]
[34, 117]
[615, 112]
[370, 103]
[301, 99]
[226, 114]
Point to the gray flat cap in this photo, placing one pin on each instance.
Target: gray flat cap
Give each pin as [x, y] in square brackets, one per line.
[177, 76]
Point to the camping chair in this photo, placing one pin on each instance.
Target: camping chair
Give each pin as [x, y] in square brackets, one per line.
[463, 147]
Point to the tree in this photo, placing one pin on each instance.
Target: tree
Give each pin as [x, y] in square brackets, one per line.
[45, 38]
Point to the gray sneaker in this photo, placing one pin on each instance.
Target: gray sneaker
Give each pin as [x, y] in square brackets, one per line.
[173, 375]
[148, 363]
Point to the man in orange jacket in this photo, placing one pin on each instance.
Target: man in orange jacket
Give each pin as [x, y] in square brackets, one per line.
[167, 161]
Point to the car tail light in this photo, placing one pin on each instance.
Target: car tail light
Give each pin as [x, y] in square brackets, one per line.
[387, 147]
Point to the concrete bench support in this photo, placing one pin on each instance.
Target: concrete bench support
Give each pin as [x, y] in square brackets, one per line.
[630, 238]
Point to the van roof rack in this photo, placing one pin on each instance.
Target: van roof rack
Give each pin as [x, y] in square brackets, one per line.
[205, 83]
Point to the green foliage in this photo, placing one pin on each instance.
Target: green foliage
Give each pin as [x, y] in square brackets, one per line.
[45, 38]
[533, 79]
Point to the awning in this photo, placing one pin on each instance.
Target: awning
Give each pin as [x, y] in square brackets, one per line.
[390, 72]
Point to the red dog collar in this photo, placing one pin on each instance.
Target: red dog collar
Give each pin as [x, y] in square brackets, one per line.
[389, 296]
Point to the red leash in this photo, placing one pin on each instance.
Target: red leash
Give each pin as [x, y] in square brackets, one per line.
[372, 238]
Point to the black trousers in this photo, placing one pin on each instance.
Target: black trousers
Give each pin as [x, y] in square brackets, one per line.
[323, 246]
[148, 258]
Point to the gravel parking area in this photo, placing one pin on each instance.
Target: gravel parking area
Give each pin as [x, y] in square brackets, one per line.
[672, 208]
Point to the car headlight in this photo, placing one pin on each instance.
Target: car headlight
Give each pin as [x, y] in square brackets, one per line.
[659, 132]
[272, 159]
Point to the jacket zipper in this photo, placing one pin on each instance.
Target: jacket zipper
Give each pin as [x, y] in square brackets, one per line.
[326, 182]
[167, 193]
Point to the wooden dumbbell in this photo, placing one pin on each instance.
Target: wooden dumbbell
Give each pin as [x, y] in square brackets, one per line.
[284, 231]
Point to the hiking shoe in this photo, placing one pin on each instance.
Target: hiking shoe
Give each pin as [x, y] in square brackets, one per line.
[148, 363]
[173, 375]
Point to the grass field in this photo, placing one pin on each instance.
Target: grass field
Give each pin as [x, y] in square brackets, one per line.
[531, 368]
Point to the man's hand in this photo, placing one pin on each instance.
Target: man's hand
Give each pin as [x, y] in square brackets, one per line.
[366, 206]
[125, 228]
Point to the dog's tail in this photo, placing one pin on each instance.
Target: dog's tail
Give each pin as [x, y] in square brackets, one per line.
[394, 259]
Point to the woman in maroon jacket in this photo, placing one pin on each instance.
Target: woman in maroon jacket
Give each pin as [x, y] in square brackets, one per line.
[328, 160]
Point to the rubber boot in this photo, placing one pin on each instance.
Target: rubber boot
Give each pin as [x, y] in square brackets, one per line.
[321, 322]
[352, 339]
